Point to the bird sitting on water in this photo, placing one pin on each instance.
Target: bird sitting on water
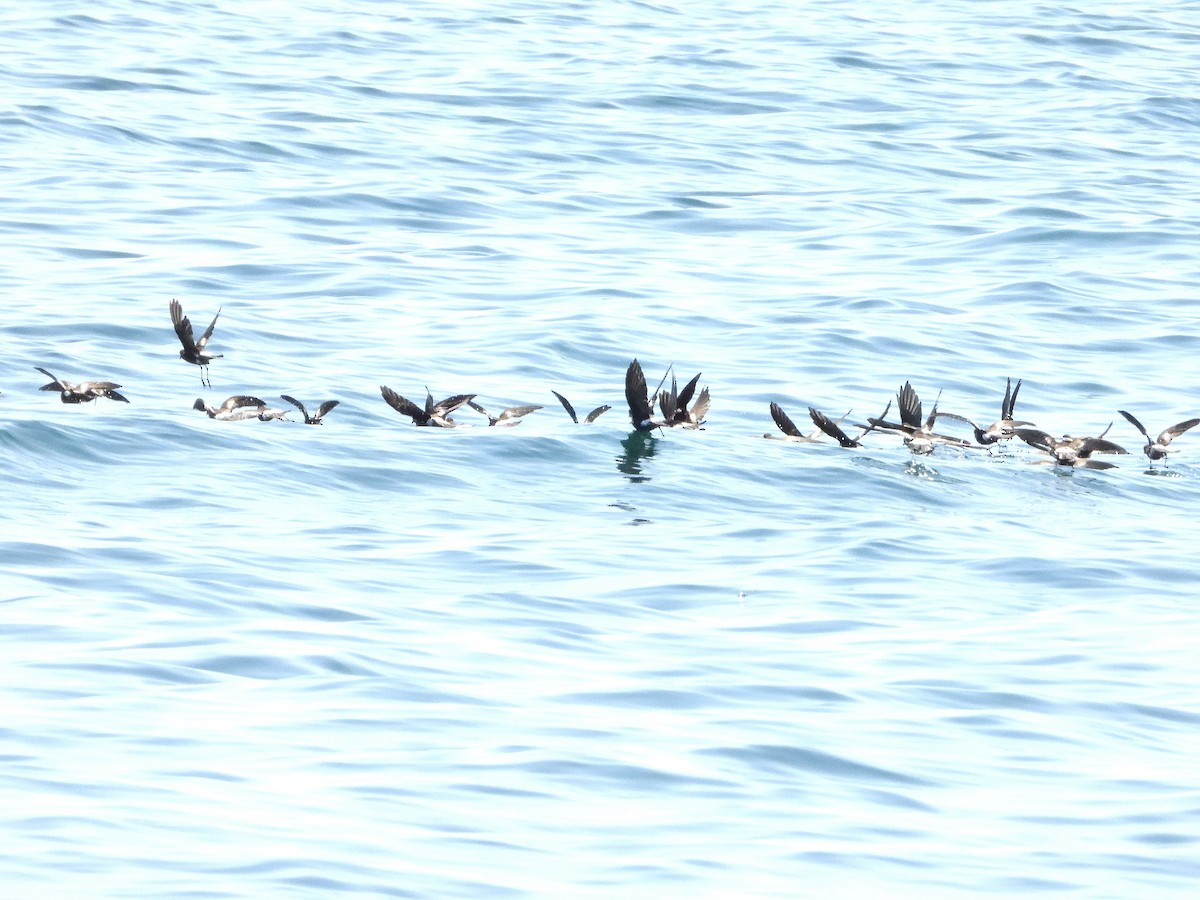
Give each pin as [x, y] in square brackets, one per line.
[194, 351]
[1157, 448]
[1071, 451]
[1004, 427]
[589, 418]
[434, 415]
[316, 418]
[237, 408]
[83, 392]
[508, 417]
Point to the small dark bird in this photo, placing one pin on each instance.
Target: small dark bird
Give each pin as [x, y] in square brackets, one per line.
[509, 417]
[589, 418]
[193, 351]
[1154, 449]
[235, 408]
[1003, 428]
[1070, 451]
[674, 404]
[919, 435]
[434, 415]
[790, 432]
[83, 392]
[832, 428]
[315, 419]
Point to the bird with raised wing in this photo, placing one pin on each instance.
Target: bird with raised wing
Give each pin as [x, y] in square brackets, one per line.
[83, 392]
[589, 418]
[1071, 451]
[1157, 448]
[315, 418]
[508, 417]
[1004, 427]
[434, 415]
[194, 351]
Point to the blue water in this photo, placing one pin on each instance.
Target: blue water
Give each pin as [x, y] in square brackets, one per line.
[260, 659]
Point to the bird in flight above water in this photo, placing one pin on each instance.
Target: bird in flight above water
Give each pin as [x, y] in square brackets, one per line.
[194, 350]
[1158, 448]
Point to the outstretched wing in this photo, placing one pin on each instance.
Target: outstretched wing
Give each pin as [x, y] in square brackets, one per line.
[831, 428]
[909, 405]
[1176, 430]
[783, 422]
[403, 405]
[567, 406]
[596, 413]
[636, 396]
[183, 326]
[207, 331]
[1133, 420]
[325, 407]
[296, 403]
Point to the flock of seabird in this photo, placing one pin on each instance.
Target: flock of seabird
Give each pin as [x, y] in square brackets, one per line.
[666, 408]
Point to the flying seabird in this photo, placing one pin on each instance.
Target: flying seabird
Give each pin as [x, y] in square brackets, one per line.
[509, 417]
[589, 418]
[235, 408]
[83, 392]
[193, 351]
[1071, 451]
[673, 404]
[919, 435]
[1154, 449]
[315, 419]
[434, 415]
[1001, 429]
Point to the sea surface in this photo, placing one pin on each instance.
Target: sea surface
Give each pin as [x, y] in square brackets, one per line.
[248, 659]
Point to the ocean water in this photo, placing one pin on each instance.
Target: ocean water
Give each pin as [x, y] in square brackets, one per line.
[261, 659]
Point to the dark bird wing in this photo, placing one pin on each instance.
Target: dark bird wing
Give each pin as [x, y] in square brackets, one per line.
[113, 395]
[596, 413]
[1088, 446]
[516, 412]
[909, 405]
[183, 326]
[685, 396]
[1010, 400]
[325, 408]
[403, 405]
[207, 331]
[296, 403]
[784, 422]
[831, 428]
[699, 410]
[567, 406]
[240, 400]
[635, 395]
[1133, 420]
[1176, 430]
[1035, 438]
[450, 404]
[54, 385]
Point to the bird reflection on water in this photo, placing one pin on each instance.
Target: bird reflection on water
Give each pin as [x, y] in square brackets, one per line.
[638, 446]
